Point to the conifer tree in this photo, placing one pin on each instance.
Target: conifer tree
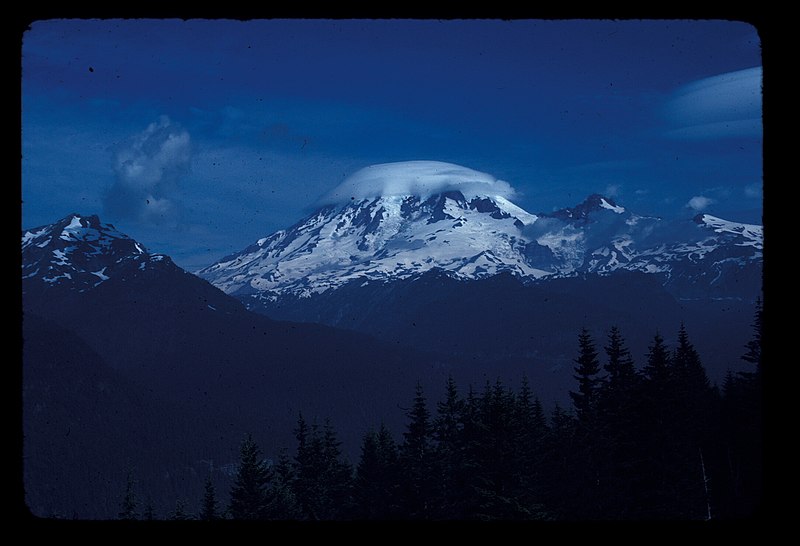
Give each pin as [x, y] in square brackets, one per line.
[620, 368]
[323, 479]
[248, 494]
[447, 432]
[416, 453]
[149, 513]
[753, 354]
[209, 510]
[657, 369]
[179, 513]
[687, 368]
[128, 505]
[281, 499]
[587, 366]
[376, 480]
[620, 429]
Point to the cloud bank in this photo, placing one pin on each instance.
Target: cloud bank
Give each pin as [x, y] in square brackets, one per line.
[722, 106]
[422, 178]
[148, 168]
[699, 202]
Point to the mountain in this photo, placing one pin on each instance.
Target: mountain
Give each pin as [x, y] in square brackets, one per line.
[479, 233]
[156, 371]
[390, 237]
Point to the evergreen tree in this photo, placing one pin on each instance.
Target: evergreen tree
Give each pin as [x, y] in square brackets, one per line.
[248, 494]
[179, 513]
[586, 370]
[693, 430]
[753, 354]
[688, 371]
[657, 369]
[619, 429]
[128, 505]
[282, 501]
[337, 476]
[306, 468]
[447, 433]
[656, 444]
[742, 417]
[621, 371]
[323, 480]
[209, 510]
[502, 493]
[560, 486]
[376, 481]
[587, 475]
[149, 512]
[416, 460]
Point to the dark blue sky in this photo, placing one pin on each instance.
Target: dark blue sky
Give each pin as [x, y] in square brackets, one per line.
[199, 137]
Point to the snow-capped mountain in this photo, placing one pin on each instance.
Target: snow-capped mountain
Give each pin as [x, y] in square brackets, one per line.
[79, 253]
[463, 223]
[388, 237]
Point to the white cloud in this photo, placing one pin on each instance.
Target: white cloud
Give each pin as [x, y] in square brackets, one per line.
[148, 167]
[699, 202]
[612, 190]
[726, 105]
[422, 178]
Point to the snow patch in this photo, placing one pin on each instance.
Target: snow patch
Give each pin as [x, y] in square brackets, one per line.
[606, 205]
[101, 274]
[72, 229]
[51, 280]
[520, 214]
[31, 235]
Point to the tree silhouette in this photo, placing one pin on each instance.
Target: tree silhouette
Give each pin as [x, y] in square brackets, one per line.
[248, 497]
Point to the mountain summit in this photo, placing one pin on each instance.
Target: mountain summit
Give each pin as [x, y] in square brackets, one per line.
[79, 253]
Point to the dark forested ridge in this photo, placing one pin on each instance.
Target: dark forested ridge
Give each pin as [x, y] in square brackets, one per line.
[653, 441]
[501, 318]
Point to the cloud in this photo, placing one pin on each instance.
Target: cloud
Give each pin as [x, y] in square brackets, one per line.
[723, 106]
[699, 202]
[612, 190]
[148, 168]
[753, 190]
[422, 178]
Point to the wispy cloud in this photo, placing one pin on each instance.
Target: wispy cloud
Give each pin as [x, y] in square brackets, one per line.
[753, 190]
[699, 202]
[723, 106]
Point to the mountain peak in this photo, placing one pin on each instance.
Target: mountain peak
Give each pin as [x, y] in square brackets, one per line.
[80, 252]
[580, 213]
[750, 234]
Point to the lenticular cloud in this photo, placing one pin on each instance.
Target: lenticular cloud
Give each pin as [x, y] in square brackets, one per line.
[422, 178]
